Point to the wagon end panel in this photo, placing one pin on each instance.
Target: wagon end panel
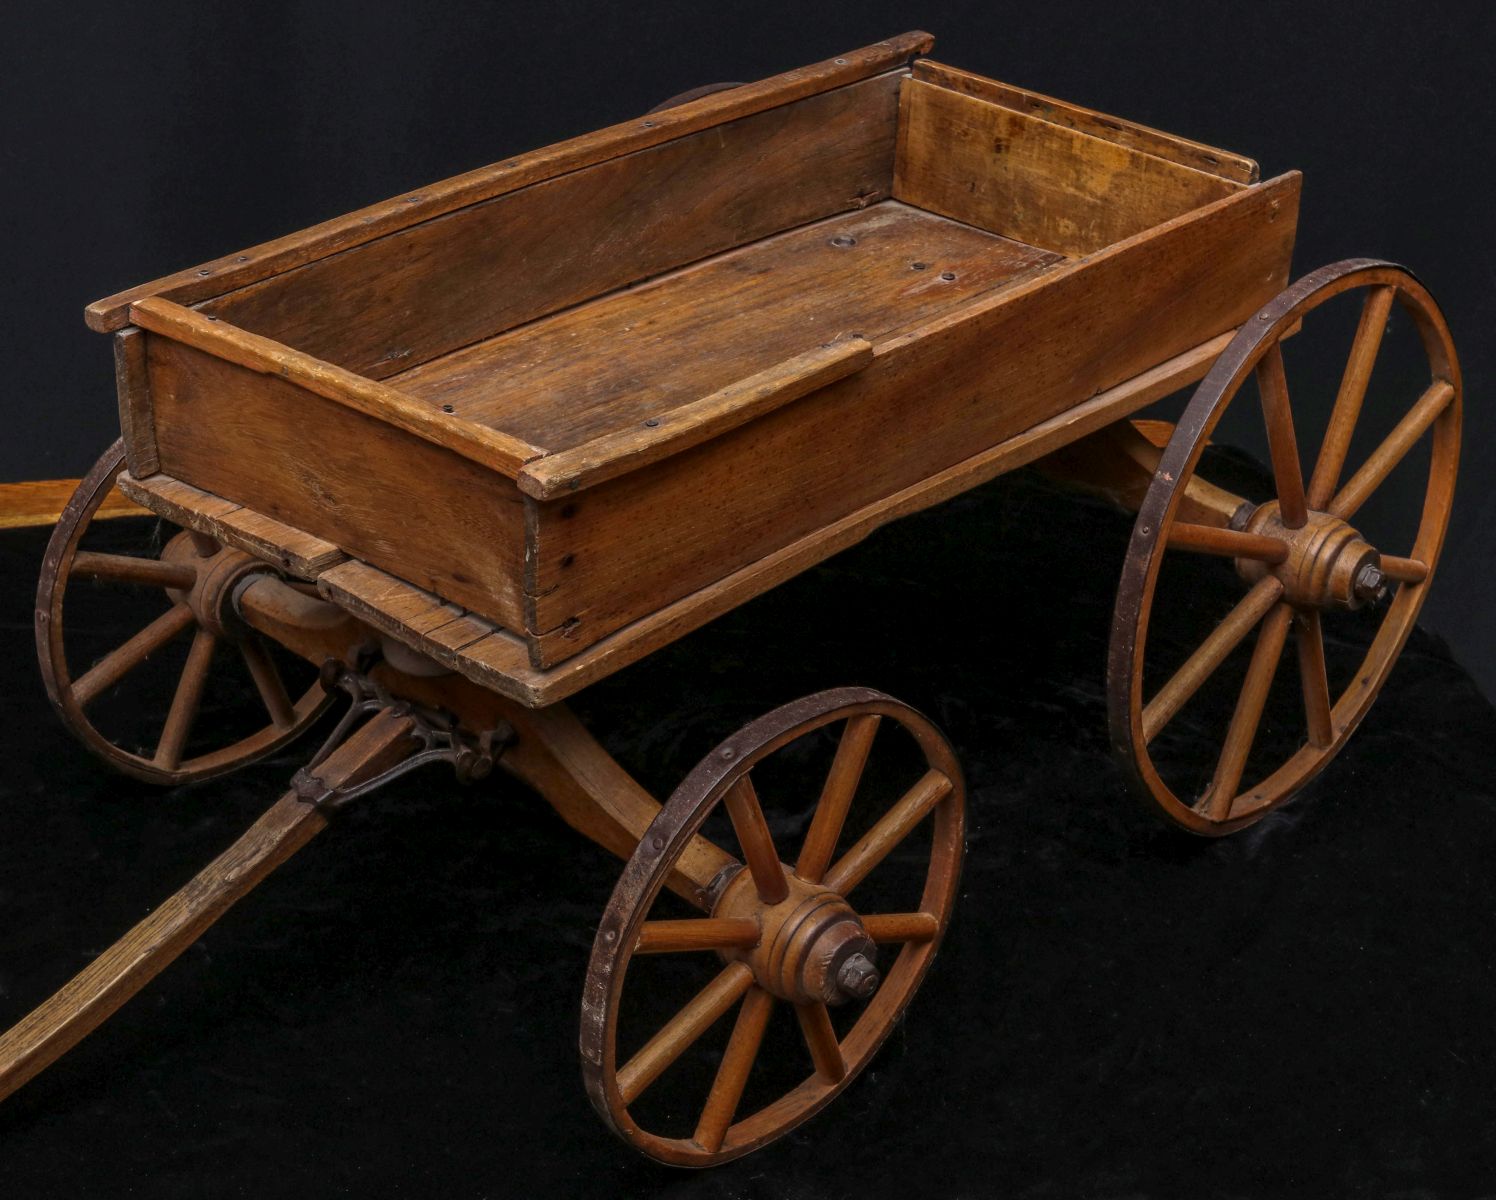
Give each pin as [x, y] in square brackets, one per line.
[931, 398]
[377, 491]
[1030, 179]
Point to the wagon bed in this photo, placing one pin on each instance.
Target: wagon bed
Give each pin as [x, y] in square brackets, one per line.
[605, 390]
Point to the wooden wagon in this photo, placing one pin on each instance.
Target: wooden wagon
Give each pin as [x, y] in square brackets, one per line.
[465, 452]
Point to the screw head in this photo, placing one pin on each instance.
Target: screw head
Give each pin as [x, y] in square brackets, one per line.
[858, 977]
[1371, 584]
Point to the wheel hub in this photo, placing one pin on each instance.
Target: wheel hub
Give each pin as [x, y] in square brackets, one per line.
[1329, 565]
[211, 597]
[812, 946]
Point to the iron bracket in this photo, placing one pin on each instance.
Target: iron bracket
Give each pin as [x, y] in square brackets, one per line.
[472, 756]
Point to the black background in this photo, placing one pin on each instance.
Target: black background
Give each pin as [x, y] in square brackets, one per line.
[1299, 1011]
[144, 138]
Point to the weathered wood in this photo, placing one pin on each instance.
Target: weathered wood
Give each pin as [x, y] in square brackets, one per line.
[1084, 120]
[608, 366]
[655, 438]
[1034, 181]
[932, 397]
[137, 420]
[60, 1023]
[293, 551]
[490, 447]
[405, 299]
[283, 254]
[500, 660]
[371, 489]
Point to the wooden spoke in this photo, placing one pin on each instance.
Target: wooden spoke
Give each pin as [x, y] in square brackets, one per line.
[1248, 714]
[1404, 570]
[1200, 665]
[1352, 392]
[1309, 639]
[187, 700]
[123, 568]
[1392, 451]
[682, 1030]
[267, 677]
[119, 662]
[757, 843]
[1207, 539]
[891, 829]
[825, 1050]
[900, 927]
[699, 933]
[836, 796]
[1282, 445]
[732, 1072]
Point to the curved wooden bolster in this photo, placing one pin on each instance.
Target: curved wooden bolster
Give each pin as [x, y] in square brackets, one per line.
[61, 1022]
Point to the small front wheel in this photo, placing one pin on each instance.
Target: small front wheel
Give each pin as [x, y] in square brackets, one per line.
[841, 939]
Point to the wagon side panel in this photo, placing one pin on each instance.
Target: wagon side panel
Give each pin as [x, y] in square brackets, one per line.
[421, 511]
[404, 299]
[931, 398]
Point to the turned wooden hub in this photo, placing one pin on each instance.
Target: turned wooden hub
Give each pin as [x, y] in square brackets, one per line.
[216, 577]
[1328, 564]
[812, 945]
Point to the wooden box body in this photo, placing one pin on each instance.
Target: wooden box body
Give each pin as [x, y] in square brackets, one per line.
[568, 390]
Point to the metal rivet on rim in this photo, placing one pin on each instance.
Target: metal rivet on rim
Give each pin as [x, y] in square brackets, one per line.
[652, 422]
[948, 276]
[729, 752]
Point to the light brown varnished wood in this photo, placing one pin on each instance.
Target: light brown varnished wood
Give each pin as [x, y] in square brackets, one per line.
[224, 521]
[357, 228]
[654, 438]
[331, 471]
[605, 367]
[492, 448]
[411, 297]
[41, 501]
[499, 660]
[1084, 120]
[94, 994]
[932, 396]
[1038, 182]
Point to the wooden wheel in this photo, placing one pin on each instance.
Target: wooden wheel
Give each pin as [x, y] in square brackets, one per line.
[196, 578]
[1302, 563]
[775, 937]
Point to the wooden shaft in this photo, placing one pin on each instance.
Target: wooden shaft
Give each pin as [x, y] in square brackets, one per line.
[1404, 570]
[1392, 451]
[682, 1030]
[1248, 715]
[900, 927]
[836, 797]
[820, 1037]
[1283, 447]
[61, 1022]
[268, 682]
[1310, 643]
[733, 1070]
[119, 662]
[757, 843]
[123, 568]
[1200, 665]
[891, 829]
[1208, 539]
[1347, 410]
[699, 933]
[186, 701]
